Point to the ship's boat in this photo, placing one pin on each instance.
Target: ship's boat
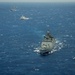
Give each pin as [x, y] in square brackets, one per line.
[47, 44]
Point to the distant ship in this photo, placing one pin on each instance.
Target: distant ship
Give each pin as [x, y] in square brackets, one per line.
[13, 9]
[23, 18]
[47, 44]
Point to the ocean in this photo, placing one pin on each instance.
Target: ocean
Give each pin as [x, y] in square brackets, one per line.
[19, 38]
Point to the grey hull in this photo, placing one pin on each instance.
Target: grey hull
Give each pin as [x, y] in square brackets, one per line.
[48, 49]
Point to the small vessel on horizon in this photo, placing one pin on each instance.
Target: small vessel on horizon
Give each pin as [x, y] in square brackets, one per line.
[47, 44]
[13, 9]
[23, 18]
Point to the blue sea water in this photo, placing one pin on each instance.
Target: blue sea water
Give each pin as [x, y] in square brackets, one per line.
[19, 38]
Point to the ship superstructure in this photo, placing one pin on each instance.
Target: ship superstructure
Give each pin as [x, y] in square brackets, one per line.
[47, 44]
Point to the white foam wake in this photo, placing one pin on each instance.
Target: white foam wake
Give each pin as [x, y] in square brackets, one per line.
[58, 46]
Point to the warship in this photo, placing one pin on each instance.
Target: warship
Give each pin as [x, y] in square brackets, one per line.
[23, 18]
[47, 44]
[13, 9]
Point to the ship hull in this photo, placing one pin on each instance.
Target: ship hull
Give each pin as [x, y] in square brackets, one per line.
[44, 50]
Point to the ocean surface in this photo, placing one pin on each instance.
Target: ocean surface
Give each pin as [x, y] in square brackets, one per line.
[19, 38]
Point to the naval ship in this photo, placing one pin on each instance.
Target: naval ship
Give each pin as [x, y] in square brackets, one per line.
[23, 18]
[47, 44]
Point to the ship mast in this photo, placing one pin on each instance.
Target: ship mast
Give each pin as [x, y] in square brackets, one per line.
[48, 36]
